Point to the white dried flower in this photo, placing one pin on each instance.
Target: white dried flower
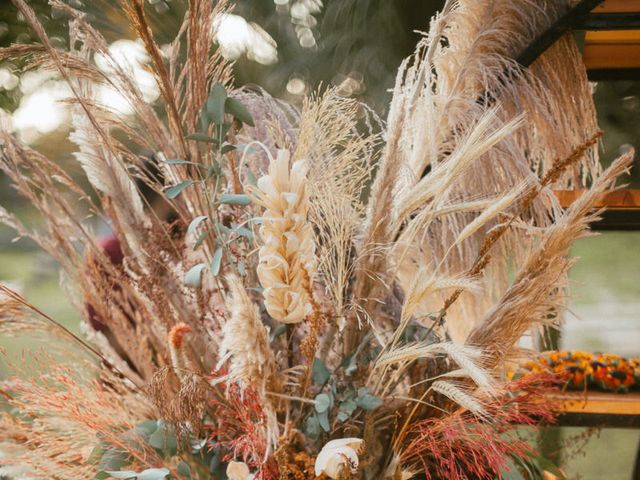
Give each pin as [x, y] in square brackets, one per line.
[287, 256]
[239, 471]
[338, 455]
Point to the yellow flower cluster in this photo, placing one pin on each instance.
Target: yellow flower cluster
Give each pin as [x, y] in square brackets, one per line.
[583, 370]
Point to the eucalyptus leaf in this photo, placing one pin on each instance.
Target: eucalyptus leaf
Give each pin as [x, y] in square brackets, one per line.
[122, 474]
[195, 222]
[102, 475]
[201, 137]
[164, 439]
[346, 409]
[322, 402]
[113, 459]
[146, 428]
[96, 454]
[227, 148]
[193, 277]
[153, 474]
[201, 238]
[239, 111]
[323, 418]
[312, 427]
[319, 372]
[216, 262]
[244, 232]
[184, 470]
[216, 103]
[178, 162]
[176, 190]
[235, 198]
[366, 400]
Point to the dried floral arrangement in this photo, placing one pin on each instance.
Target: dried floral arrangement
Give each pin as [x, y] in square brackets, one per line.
[334, 296]
[585, 370]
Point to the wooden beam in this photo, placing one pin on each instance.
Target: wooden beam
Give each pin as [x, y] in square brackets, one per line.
[604, 403]
[618, 6]
[610, 21]
[618, 199]
[622, 209]
[612, 49]
[613, 74]
[566, 22]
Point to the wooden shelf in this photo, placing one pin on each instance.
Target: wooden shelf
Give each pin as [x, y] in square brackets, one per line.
[599, 402]
[616, 410]
[618, 6]
[612, 49]
[618, 199]
[622, 208]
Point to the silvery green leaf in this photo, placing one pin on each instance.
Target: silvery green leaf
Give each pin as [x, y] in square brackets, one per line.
[153, 474]
[184, 470]
[122, 473]
[312, 427]
[322, 402]
[194, 276]
[323, 418]
[195, 222]
[216, 103]
[235, 198]
[173, 192]
[146, 428]
[216, 262]
[319, 371]
[366, 400]
[201, 137]
[239, 111]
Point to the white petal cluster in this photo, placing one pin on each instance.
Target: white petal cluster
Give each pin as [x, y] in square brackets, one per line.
[287, 260]
[239, 471]
[339, 456]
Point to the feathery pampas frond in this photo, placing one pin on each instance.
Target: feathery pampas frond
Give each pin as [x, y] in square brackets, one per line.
[245, 346]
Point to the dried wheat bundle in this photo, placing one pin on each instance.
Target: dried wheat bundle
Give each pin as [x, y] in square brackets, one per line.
[313, 293]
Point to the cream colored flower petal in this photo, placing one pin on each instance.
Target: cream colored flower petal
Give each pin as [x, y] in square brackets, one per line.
[333, 460]
[238, 471]
[355, 443]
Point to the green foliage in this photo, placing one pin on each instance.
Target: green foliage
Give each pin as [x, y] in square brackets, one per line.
[173, 192]
[216, 261]
[239, 111]
[347, 398]
[201, 137]
[195, 458]
[235, 199]
[195, 222]
[319, 372]
[193, 277]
